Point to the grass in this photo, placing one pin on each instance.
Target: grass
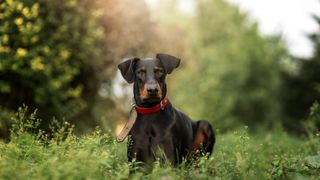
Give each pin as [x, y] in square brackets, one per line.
[31, 154]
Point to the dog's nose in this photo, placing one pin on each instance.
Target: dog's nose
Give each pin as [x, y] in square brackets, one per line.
[152, 88]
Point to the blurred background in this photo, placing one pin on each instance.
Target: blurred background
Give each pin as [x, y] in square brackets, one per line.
[252, 63]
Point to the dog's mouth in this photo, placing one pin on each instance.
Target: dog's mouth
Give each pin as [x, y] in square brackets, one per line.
[152, 99]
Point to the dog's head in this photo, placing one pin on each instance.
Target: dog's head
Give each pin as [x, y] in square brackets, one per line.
[148, 75]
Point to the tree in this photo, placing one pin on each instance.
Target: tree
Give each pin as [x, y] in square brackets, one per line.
[234, 77]
[302, 88]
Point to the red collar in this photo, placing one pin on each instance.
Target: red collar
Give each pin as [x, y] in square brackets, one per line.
[153, 109]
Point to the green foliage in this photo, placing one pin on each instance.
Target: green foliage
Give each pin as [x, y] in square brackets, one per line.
[31, 154]
[301, 89]
[24, 123]
[48, 51]
[238, 155]
[313, 161]
[5, 121]
[311, 125]
[235, 68]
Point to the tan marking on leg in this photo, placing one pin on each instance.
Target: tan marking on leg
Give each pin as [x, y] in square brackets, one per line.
[198, 141]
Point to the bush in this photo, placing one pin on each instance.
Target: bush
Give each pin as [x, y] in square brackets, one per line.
[5, 121]
[31, 154]
[49, 52]
[312, 124]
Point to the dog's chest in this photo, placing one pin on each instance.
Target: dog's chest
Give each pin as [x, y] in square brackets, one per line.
[152, 130]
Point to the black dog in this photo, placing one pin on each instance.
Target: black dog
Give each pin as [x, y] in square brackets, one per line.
[159, 125]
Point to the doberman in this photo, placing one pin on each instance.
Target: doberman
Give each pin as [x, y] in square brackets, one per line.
[158, 124]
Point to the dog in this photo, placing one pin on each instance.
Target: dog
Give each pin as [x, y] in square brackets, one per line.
[158, 124]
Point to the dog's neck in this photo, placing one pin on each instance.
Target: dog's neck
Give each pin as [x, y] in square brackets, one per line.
[140, 103]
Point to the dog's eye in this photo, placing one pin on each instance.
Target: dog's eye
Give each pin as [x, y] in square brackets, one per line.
[158, 72]
[141, 72]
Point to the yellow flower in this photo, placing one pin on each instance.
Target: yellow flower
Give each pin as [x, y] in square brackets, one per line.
[65, 54]
[4, 49]
[18, 21]
[46, 49]
[26, 12]
[5, 38]
[19, 6]
[35, 9]
[37, 64]
[21, 52]
[9, 2]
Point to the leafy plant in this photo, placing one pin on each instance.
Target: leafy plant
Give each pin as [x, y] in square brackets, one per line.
[48, 51]
[238, 155]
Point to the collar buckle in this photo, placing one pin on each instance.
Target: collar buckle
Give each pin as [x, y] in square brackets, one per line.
[161, 106]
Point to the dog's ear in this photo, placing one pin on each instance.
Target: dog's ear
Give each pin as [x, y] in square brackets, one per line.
[169, 62]
[127, 69]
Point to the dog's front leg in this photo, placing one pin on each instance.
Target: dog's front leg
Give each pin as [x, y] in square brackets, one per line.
[141, 155]
[165, 152]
